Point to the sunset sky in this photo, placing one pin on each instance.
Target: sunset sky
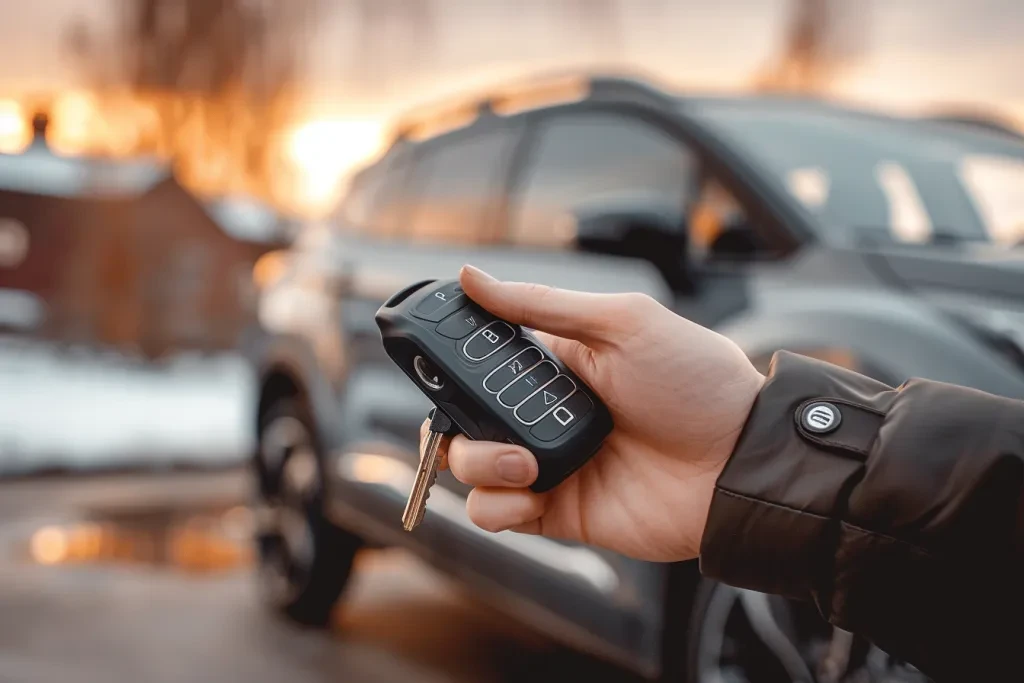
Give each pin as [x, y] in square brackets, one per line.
[915, 54]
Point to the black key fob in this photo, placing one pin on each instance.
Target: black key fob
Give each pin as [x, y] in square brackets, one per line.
[495, 380]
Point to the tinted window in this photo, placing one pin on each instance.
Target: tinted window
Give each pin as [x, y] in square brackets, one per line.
[587, 161]
[458, 185]
[898, 179]
[390, 206]
[357, 209]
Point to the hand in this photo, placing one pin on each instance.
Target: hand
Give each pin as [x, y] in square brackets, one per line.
[679, 395]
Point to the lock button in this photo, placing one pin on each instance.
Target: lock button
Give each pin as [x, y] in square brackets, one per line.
[488, 340]
[563, 418]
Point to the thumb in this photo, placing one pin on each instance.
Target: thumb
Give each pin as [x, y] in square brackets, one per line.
[565, 313]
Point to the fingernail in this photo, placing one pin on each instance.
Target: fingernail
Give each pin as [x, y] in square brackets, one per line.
[513, 468]
[475, 272]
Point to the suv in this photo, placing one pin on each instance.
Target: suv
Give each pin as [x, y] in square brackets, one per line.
[881, 244]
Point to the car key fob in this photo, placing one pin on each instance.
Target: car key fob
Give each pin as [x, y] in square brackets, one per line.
[496, 381]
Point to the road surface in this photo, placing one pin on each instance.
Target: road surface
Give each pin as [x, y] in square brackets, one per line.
[148, 578]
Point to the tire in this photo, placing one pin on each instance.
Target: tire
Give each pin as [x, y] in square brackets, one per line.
[304, 560]
[738, 635]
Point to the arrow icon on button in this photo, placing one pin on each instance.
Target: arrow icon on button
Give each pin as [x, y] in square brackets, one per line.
[549, 398]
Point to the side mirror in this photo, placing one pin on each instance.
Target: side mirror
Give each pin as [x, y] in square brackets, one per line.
[658, 237]
[737, 242]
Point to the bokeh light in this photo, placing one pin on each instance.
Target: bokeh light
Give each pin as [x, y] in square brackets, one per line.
[325, 151]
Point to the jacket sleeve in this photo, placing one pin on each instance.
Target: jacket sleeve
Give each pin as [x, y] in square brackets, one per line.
[898, 512]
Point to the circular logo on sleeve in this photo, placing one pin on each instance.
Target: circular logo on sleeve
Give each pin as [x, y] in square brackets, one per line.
[821, 418]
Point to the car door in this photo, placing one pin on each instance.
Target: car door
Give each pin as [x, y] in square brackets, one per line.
[502, 196]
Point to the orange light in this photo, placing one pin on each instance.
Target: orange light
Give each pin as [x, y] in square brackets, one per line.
[77, 124]
[377, 469]
[325, 151]
[49, 545]
[268, 269]
[15, 133]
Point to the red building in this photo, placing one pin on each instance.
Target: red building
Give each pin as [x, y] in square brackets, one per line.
[120, 254]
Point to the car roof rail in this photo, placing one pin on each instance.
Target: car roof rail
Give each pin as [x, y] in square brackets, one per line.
[534, 93]
[979, 121]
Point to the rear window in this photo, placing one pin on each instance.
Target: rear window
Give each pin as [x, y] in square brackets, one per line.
[458, 187]
[362, 194]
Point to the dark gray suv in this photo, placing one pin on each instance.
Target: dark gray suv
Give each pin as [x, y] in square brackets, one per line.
[882, 244]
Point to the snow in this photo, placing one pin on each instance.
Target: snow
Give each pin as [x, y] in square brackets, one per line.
[77, 408]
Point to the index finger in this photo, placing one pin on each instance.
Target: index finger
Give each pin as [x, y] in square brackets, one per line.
[576, 315]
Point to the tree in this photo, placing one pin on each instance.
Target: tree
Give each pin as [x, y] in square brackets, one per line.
[823, 37]
[218, 77]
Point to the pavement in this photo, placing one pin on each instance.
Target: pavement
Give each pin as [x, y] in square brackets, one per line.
[149, 578]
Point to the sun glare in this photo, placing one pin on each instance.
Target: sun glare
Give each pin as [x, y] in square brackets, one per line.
[326, 151]
[14, 129]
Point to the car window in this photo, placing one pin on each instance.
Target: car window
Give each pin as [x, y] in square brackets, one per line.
[390, 205]
[458, 187]
[357, 208]
[586, 161]
[714, 215]
[905, 180]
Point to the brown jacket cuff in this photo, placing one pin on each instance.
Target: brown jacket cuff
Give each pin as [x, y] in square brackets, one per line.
[772, 526]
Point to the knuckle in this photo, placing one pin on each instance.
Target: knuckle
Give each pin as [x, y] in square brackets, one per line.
[640, 301]
[634, 307]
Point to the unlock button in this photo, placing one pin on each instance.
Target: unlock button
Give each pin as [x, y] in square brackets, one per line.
[563, 418]
[462, 323]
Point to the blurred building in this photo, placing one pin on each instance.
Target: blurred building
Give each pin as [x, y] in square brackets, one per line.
[119, 253]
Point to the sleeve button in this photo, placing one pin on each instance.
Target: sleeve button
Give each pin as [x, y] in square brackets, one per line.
[820, 417]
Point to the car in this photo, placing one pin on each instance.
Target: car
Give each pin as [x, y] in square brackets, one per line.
[884, 244]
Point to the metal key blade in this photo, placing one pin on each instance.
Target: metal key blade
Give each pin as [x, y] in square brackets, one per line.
[416, 506]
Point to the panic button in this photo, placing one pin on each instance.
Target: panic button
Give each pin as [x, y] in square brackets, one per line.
[563, 418]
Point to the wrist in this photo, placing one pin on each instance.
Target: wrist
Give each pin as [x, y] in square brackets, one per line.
[722, 451]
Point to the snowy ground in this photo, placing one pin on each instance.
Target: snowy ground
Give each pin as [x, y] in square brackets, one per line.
[80, 409]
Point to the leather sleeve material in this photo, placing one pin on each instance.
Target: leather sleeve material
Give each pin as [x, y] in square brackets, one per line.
[903, 524]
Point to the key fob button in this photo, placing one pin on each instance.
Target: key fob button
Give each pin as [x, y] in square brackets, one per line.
[463, 322]
[544, 400]
[563, 418]
[440, 303]
[488, 340]
[510, 370]
[529, 382]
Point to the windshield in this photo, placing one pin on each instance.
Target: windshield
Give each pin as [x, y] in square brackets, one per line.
[904, 180]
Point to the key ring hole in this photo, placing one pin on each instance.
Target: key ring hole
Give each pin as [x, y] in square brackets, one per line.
[427, 373]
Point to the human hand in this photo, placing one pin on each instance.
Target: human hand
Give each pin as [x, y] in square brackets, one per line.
[679, 395]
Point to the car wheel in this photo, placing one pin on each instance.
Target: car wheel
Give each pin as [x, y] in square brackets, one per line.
[304, 561]
[744, 636]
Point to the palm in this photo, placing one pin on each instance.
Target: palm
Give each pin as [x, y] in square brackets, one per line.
[646, 492]
[632, 499]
